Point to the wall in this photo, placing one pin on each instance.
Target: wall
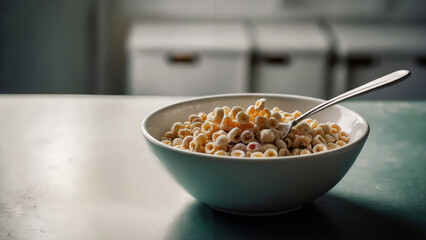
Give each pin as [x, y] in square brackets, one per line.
[78, 46]
[45, 46]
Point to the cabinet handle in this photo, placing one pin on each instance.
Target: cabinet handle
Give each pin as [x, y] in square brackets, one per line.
[421, 60]
[362, 60]
[278, 59]
[183, 58]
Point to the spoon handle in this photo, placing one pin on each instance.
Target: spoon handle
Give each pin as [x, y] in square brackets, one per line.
[386, 80]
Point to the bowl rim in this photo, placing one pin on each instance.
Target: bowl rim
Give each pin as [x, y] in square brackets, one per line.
[246, 159]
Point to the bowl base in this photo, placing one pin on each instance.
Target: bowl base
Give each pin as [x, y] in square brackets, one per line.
[259, 214]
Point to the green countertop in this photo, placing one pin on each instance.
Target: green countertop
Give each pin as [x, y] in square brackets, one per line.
[77, 167]
[382, 196]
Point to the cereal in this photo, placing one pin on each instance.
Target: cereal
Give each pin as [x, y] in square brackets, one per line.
[332, 146]
[169, 135]
[260, 104]
[270, 153]
[243, 118]
[329, 139]
[221, 153]
[234, 135]
[260, 121]
[343, 136]
[256, 154]
[277, 116]
[305, 151]
[272, 123]
[201, 139]
[209, 128]
[177, 141]
[240, 146]
[226, 124]
[251, 111]
[265, 147]
[182, 133]
[195, 125]
[195, 147]
[253, 147]
[217, 115]
[267, 136]
[235, 110]
[255, 132]
[218, 134]
[265, 113]
[222, 141]
[280, 144]
[203, 116]
[186, 141]
[226, 109]
[194, 118]
[176, 127]
[284, 152]
[238, 153]
[319, 148]
[247, 136]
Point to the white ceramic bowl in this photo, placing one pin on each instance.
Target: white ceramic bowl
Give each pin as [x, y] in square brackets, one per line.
[262, 186]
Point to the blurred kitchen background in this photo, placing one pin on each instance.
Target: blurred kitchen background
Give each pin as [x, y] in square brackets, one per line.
[317, 48]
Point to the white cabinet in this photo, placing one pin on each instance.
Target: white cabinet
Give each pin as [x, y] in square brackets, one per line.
[187, 58]
[290, 58]
[367, 51]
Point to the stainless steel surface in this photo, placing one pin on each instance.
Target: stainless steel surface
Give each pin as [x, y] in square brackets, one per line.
[384, 81]
[77, 167]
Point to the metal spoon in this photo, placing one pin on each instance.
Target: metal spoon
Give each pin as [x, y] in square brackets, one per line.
[386, 80]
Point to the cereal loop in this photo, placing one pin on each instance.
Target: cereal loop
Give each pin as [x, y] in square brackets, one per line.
[253, 147]
[169, 135]
[176, 127]
[210, 148]
[260, 104]
[253, 132]
[284, 152]
[226, 109]
[226, 124]
[182, 133]
[265, 113]
[256, 155]
[221, 153]
[186, 141]
[305, 151]
[238, 153]
[218, 115]
[222, 141]
[270, 153]
[334, 128]
[319, 148]
[242, 118]
[277, 116]
[177, 141]
[272, 123]
[217, 134]
[267, 136]
[203, 116]
[247, 136]
[234, 135]
[201, 139]
[234, 111]
[209, 128]
[260, 121]
[302, 128]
